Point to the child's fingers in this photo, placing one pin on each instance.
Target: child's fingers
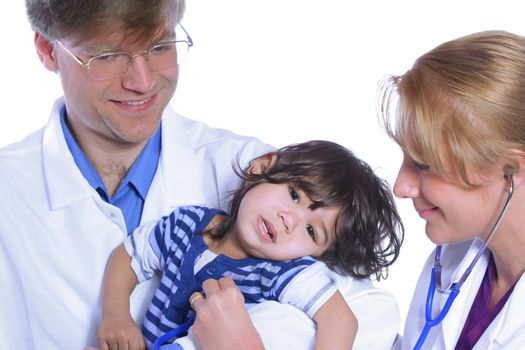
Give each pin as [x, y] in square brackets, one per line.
[137, 344]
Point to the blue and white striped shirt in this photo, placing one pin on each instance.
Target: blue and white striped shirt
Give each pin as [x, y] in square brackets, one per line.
[173, 244]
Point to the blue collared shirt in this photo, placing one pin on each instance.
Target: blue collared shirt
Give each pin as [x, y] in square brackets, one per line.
[131, 194]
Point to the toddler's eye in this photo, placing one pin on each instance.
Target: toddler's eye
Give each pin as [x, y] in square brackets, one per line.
[293, 194]
[311, 232]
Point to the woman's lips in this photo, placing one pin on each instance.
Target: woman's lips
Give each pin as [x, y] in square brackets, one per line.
[425, 213]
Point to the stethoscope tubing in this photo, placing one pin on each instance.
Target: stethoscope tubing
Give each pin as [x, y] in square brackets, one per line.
[429, 322]
[173, 333]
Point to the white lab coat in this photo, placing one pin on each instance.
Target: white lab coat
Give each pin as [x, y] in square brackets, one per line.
[56, 233]
[283, 327]
[507, 331]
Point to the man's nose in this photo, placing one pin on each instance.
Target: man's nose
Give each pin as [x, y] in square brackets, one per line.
[139, 76]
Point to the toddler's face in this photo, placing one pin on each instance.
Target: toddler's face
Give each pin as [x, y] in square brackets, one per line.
[275, 222]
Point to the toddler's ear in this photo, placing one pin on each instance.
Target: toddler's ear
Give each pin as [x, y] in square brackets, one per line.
[262, 163]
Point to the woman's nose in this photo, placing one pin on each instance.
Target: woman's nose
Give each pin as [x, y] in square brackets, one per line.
[407, 182]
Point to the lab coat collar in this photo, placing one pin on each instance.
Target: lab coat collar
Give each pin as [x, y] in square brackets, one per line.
[65, 183]
[507, 323]
[178, 180]
[511, 316]
[453, 322]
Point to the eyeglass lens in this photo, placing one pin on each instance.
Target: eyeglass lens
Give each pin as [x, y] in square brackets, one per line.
[158, 57]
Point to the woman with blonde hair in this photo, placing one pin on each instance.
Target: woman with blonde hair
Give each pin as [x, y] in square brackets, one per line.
[460, 122]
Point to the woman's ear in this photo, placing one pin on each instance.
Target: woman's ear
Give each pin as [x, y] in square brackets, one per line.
[515, 165]
[45, 51]
[261, 164]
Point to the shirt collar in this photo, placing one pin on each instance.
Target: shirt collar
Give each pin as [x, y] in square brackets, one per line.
[143, 170]
[141, 173]
[79, 156]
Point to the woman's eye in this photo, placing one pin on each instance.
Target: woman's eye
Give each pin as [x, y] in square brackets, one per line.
[421, 166]
[293, 194]
[310, 230]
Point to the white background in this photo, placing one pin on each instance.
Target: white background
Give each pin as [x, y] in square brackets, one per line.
[285, 71]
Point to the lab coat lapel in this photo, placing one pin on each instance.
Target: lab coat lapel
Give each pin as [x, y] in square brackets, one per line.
[178, 179]
[65, 182]
[511, 316]
[453, 323]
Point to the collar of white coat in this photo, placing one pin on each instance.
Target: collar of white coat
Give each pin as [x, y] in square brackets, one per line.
[510, 322]
[507, 324]
[505, 327]
[177, 180]
[456, 258]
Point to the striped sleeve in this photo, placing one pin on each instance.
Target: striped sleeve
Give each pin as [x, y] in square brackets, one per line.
[171, 236]
[157, 244]
[143, 260]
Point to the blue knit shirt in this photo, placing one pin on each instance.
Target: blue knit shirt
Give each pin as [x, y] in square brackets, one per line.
[173, 245]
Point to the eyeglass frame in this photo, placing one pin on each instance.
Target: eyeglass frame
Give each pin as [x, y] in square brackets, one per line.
[131, 56]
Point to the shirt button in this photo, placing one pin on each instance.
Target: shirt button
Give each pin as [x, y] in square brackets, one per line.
[184, 288]
[211, 270]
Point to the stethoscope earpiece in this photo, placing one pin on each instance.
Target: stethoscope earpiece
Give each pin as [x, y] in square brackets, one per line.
[508, 171]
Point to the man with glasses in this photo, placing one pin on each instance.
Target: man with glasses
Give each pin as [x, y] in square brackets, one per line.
[112, 155]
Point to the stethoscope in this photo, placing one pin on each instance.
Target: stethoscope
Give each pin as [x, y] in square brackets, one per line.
[173, 333]
[435, 277]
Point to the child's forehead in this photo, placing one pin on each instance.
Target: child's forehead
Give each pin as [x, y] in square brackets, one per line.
[320, 197]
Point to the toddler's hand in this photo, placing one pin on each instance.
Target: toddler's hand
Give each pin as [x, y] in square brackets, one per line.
[118, 333]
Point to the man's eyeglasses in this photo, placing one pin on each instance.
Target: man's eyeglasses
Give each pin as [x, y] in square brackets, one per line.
[116, 64]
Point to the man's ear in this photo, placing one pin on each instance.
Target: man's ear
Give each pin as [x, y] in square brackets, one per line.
[45, 51]
[262, 163]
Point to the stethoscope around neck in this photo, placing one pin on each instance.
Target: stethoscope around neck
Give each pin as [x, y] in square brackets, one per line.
[435, 277]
